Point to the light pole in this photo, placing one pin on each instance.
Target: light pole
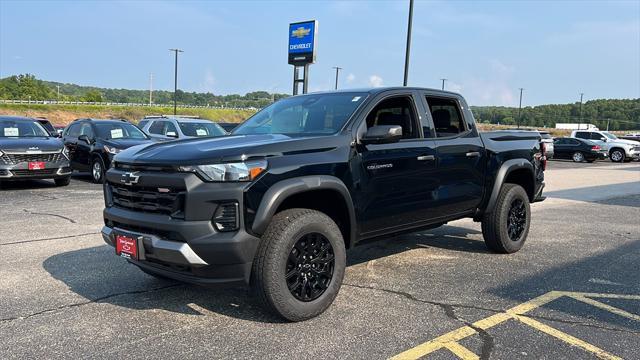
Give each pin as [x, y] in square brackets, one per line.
[408, 50]
[58, 86]
[337, 71]
[443, 80]
[581, 95]
[175, 81]
[150, 89]
[519, 108]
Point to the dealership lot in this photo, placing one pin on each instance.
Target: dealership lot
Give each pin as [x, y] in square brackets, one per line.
[572, 292]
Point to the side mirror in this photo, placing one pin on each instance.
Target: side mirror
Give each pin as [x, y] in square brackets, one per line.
[382, 134]
[171, 134]
[603, 139]
[84, 138]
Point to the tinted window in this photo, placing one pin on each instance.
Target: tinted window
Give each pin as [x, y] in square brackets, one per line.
[560, 141]
[596, 136]
[142, 123]
[86, 129]
[73, 130]
[119, 130]
[157, 127]
[201, 129]
[398, 111]
[447, 117]
[582, 135]
[574, 142]
[10, 128]
[316, 114]
[170, 129]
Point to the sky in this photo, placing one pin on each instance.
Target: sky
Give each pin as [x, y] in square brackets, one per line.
[486, 49]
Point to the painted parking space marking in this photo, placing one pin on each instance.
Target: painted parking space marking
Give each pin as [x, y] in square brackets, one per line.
[450, 340]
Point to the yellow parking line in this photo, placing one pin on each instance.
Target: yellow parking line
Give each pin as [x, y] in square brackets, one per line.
[450, 340]
[606, 307]
[461, 351]
[566, 337]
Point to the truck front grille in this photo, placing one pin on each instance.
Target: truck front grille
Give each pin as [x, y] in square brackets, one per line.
[13, 159]
[147, 199]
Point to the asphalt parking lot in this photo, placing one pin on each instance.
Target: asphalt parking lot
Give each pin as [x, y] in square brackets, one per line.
[572, 292]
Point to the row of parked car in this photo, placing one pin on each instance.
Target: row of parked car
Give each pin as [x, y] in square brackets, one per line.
[33, 148]
[591, 145]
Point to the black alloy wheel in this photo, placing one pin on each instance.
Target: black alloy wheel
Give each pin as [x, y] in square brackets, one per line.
[517, 219]
[310, 267]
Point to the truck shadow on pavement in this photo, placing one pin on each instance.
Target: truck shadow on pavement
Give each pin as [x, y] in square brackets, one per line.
[99, 276]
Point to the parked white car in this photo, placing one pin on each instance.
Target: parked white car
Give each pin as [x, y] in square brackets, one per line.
[619, 149]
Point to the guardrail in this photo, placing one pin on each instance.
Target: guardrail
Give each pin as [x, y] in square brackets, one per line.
[55, 102]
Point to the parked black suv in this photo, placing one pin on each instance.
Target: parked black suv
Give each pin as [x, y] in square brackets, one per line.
[276, 204]
[92, 143]
[28, 151]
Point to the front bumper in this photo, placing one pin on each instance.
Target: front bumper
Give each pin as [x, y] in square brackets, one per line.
[184, 245]
[21, 171]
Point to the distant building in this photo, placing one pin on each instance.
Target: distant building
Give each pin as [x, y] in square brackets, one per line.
[568, 126]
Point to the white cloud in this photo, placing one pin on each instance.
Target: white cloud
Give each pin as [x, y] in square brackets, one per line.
[351, 78]
[375, 81]
[453, 86]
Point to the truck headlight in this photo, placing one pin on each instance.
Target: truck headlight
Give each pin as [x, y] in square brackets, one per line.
[111, 150]
[240, 171]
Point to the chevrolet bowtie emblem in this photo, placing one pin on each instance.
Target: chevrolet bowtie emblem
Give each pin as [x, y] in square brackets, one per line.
[300, 32]
[129, 178]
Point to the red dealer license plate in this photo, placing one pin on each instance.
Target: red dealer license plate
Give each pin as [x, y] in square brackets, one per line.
[127, 247]
[36, 165]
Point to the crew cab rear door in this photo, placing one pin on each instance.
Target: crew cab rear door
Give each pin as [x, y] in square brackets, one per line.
[396, 180]
[461, 157]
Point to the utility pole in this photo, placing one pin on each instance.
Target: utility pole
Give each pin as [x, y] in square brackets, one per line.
[520, 108]
[337, 71]
[581, 95]
[175, 81]
[443, 80]
[150, 89]
[58, 86]
[608, 124]
[408, 50]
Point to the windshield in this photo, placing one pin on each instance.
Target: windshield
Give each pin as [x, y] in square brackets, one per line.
[120, 130]
[201, 129]
[320, 114]
[610, 135]
[10, 128]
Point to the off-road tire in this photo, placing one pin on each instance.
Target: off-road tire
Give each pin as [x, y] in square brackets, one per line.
[495, 223]
[268, 281]
[62, 181]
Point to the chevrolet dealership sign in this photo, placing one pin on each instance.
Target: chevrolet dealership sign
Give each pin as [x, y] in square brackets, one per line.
[302, 42]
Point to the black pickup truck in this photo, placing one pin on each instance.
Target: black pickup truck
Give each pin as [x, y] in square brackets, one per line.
[276, 204]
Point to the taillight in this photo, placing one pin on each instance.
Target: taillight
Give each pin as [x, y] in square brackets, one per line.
[543, 158]
[595, 148]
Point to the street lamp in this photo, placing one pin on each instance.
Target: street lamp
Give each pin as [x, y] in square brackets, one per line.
[408, 49]
[175, 81]
[337, 71]
[520, 108]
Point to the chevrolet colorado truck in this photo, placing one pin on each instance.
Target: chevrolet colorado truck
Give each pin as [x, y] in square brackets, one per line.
[276, 204]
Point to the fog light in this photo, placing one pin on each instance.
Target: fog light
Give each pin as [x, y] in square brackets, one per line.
[226, 217]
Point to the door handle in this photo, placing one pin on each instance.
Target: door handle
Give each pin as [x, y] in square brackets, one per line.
[473, 154]
[426, 157]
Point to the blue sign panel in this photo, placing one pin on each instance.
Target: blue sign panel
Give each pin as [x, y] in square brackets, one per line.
[302, 36]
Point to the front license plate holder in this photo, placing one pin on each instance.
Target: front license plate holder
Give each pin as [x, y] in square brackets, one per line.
[127, 246]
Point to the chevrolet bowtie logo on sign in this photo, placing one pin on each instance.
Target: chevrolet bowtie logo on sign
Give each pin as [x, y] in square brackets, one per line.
[300, 32]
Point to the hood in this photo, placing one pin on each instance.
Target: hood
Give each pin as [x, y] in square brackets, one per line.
[24, 144]
[624, 141]
[126, 143]
[226, 148]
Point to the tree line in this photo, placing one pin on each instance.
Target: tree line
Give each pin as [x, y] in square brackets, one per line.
[617, 114]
